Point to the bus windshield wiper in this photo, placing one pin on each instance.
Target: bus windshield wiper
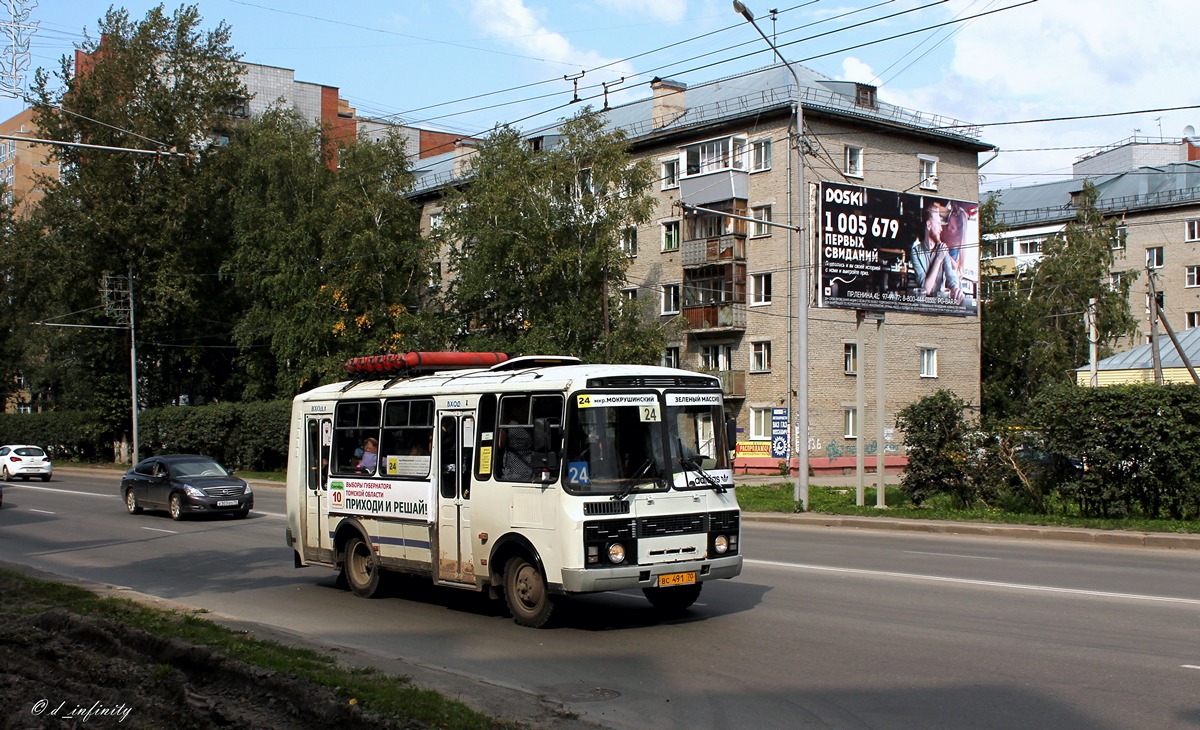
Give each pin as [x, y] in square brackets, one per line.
[688, 461]
[628, 485]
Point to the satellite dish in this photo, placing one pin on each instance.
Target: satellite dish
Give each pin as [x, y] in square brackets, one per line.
[1189, 131]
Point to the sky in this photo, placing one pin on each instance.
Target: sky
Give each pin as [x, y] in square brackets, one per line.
[467, 65]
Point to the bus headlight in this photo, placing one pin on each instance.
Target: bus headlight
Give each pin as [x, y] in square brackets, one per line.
[721, 543]
[616, 553]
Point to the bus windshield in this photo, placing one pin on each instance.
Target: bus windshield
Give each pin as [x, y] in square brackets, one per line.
[696, 436]
[615, 445]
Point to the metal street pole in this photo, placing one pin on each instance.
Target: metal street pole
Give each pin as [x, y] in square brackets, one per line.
[133, 369]
[801, 490]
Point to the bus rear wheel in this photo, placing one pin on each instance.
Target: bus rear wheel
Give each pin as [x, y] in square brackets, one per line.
[525, 591]
[360, 568]
[673, 600]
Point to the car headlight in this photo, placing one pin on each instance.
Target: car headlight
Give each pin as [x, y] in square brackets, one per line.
[248, 489]
[193, 491]
[616, 553]
[721, 543]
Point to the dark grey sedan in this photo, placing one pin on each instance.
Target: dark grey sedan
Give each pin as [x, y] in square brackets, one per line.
[185, 484]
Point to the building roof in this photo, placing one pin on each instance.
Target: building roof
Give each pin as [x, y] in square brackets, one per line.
[751, 93]
[1140, 358]
[1143, 188]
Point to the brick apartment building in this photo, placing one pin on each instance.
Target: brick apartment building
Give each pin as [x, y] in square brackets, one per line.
[732, 283]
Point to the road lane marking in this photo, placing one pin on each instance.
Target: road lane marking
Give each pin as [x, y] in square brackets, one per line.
[60, 491]
[975, 582]
[951, 555]
[155, 529]
[41, 511]
[1188, 666]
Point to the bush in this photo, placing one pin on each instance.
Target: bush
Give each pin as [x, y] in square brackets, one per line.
[65, 434]
[240, 435]
[937, 441]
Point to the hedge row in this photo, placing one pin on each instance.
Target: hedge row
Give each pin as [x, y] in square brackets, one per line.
[1112, 452]
[70, 435]
[250, 436]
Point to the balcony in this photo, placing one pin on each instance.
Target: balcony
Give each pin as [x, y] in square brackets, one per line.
[712, 187]
[715, 318]
[733, 382]
[715, 250]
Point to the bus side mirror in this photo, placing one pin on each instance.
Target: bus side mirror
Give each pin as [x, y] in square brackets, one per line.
[730, 433]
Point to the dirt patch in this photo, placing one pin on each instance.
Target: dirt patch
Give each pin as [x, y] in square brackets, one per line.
[61, 669]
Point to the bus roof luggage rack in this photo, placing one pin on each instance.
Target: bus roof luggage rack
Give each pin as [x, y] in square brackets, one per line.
[409, 364]
[528, 362]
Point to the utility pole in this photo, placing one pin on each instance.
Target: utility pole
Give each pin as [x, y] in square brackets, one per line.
[1155, 358]
[117, 294]
[1093, 338]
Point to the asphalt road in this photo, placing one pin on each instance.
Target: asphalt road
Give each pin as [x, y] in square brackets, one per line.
[826, 628]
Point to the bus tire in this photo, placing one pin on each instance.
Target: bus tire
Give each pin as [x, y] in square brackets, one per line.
[673, 600]
[361, 568]
[525, 592]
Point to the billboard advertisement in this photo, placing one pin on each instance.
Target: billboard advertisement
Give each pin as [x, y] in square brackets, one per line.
[882, 250]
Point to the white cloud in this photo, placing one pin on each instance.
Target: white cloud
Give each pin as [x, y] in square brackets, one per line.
[514, 24]
[854, 69]
[1065, 58]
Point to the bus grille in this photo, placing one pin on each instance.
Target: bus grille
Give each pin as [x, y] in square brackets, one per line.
[607, 507]
[671, 525]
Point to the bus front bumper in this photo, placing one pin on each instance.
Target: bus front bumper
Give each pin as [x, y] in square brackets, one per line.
[594, 580]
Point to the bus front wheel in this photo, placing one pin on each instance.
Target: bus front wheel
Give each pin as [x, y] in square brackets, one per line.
[673, 600]
[525, 591]
[360, 568]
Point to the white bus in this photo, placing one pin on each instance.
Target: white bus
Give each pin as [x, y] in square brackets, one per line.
[531, 478]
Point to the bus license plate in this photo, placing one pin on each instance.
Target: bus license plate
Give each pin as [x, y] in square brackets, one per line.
[677, 579]
[227, 503]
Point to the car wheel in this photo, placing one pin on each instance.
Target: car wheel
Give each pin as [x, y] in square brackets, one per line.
[241, 514]
[176, 507]
[45, 477]
[673, 600]
[360, 568]
[7, 476]
[525, 591]
[131, 502]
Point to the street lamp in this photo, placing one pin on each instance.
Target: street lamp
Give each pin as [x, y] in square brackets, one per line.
[801, 490]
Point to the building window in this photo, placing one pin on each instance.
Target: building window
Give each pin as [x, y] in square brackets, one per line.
[1193, 320]
[854, 161]
[670, 236]
[670, 173]
[850, 422]
[761, 155]
[629, 242]
[760, 424]
[435, 222]
[1118, 239]
[1000, 247]
[1154, 257]
[760, 289]
[670, 299]
[929, 362]
[670, 358]
[715, 155]
[1159, 298]
[716, 357]
[1193, 276]
[762, 357]
[928, 170]
[1192, 230]
[1027, 246]
[1116, 280]
[762, 216]
[24, 408]
[850, 358]
[630, 294]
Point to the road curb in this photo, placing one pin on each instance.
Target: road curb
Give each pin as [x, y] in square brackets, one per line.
[1112, 538]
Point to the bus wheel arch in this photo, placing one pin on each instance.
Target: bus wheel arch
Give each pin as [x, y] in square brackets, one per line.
[523, 578]
[358, 564]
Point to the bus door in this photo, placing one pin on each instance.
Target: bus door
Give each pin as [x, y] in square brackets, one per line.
[456, 440]
[316, 540]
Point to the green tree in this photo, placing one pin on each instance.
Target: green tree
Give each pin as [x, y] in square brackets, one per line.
[157, 84]
[1034, 331]
[331, 262]
[535, 255]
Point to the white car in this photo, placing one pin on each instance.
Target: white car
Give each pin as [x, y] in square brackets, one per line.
[25, 461]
